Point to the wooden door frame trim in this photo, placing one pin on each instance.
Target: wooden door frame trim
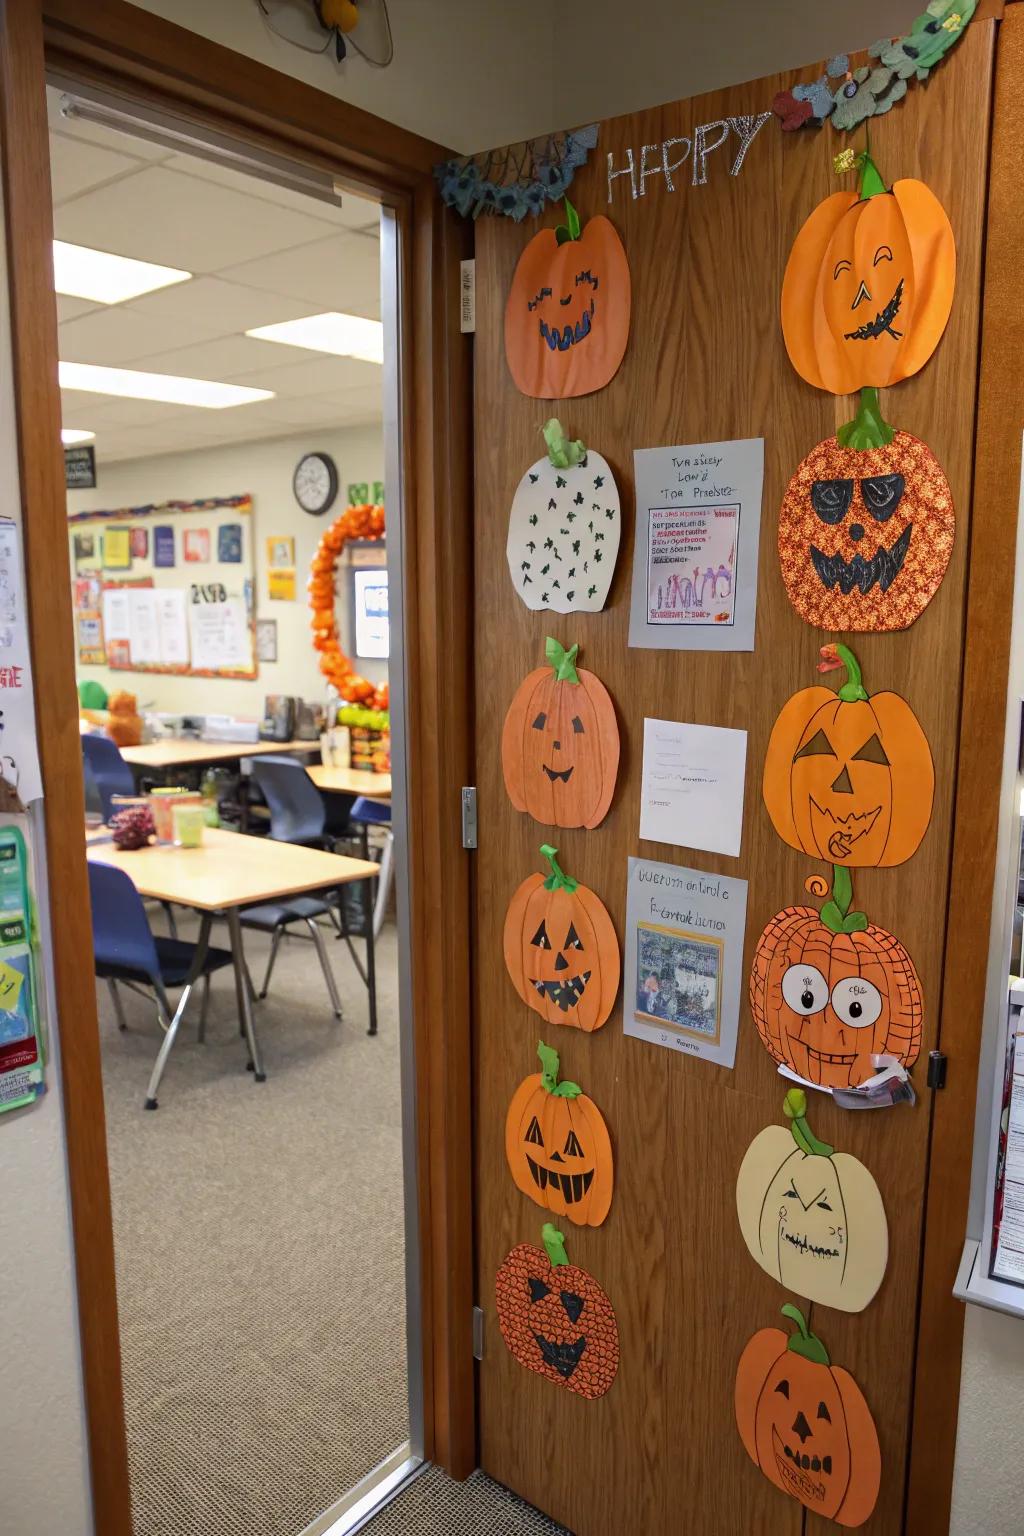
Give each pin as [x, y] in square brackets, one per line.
[149, 61]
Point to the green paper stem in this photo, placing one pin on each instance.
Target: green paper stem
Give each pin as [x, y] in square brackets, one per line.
[557, 880]
[805, 1343]
[554, 1243]
[871, 183]
[869, 428]
[562, 453]
[794, 1107]
[836, 914]
[570, 230]
[563, 661]
[853, 690]
[549, 1074]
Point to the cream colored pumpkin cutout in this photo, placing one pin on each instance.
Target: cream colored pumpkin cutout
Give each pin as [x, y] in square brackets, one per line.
[812, 1217]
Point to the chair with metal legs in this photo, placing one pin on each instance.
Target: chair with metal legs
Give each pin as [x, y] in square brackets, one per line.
[366, 813]
[276, 917]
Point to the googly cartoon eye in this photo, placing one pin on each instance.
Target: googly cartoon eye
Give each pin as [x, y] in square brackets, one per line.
[804, 989]
[856, 1002]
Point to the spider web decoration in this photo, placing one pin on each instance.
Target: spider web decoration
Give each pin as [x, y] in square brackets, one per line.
[517, 180]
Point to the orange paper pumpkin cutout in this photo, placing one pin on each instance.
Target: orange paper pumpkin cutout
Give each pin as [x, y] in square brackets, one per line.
[560, 743]
[866, 527]
[848, 777]
[555, 1318]
[868, 285]
[561, 950]
[567, 316]
[557, 1146]
[805, 1423]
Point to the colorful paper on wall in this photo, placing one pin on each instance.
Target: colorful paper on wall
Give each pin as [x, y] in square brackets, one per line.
[197, 545]
[20, 778]
[117, 549]
[163, 547]
[281, 586]
[229, 543]
[22, 1051]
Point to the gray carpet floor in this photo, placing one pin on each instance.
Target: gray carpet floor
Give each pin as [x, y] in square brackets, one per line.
[433, 1505]
[260, 1251]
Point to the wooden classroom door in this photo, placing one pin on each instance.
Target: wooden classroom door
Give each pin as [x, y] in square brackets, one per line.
[706, 362]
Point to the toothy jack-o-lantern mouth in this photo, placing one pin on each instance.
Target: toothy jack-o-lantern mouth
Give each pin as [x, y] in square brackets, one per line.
[838, 835]
[560, 331]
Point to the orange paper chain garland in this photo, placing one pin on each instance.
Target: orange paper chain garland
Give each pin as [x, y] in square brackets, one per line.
[363, 522]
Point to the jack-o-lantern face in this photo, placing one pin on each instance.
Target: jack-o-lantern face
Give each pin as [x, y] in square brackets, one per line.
[557, 1146]
[868, 285]
[812, 1217]
[555, 1318]
[805, 1423]
[865, 536]
[567, 316]
[560, 744]
[561, 950]
[849, 778]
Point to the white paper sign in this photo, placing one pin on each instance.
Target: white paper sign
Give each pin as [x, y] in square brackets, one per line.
[698, 524]
[20, 778]
[220, 635]
[173, 627]
[692, 785]
[117, 614]
[683, 975]
[144, 641]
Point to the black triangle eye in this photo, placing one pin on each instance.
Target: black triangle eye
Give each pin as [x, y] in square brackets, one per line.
[534, 1133]
[540, 722]
[783, 1387]
[540, 938]
[538, 1290]
[872, 752]
[882, 495]
[577, 725]
[823, 1413]
[818, 746]
[572, 939]
[572, 1146]
[573, 1305]
[831, 499]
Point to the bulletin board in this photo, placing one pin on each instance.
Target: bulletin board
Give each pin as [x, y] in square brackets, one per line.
[706, 362]
[166, 588]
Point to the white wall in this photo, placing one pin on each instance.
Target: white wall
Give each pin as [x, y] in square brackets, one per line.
[988, 1488]
[265, 470]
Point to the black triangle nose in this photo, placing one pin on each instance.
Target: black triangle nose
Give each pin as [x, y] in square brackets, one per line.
[561, 963]
[842, 785]
[556, 1157]
[801, 1428]
[557, 746]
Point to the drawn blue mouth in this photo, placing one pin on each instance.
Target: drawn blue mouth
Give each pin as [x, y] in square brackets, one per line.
[568, 336]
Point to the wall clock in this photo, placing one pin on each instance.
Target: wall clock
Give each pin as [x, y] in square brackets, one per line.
[315, 483]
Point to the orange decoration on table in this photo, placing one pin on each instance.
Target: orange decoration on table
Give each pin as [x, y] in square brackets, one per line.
[869, 285]
[557, 1145]
[361, 522]
[806, 1424]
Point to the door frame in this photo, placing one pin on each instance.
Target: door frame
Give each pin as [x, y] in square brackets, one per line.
[152, 63]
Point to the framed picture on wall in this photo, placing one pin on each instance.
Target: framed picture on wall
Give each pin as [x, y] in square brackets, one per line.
[266, 639]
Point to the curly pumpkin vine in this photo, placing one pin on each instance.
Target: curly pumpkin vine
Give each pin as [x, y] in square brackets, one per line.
[360, 522]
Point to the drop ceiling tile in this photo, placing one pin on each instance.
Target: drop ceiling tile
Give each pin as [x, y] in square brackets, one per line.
[182, 221]
[126, 413]
[320, 375]
[208, 307]
[353, 212]
[72, 309]
[116, 335]
[225, 358]
[76, 165]
[342, 273]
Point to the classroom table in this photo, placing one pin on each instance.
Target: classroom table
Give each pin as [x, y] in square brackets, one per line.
[350, 781]
[227, 872]
[186, 752]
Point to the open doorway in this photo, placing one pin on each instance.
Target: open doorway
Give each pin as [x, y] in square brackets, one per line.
[261, 1231]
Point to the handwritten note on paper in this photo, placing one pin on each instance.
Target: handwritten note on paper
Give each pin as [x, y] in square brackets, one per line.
[692, 792]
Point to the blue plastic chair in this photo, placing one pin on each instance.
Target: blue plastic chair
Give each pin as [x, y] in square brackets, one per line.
[126, 949]
[372, 813]
[297, 813]
[107, 770]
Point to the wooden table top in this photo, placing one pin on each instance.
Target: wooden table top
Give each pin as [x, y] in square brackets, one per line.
[229, 869]
[351, 781]
[181, 751]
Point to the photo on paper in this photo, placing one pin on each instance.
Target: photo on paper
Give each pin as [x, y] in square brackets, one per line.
[691, 565]
[678, 980]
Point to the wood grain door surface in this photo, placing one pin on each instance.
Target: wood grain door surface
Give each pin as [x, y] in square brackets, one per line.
[706, 362]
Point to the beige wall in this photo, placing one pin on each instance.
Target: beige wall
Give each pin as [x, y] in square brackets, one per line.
[988, 1488]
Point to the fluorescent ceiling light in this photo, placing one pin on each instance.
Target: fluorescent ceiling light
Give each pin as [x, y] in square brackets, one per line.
[69, 436]
[82, 273]
[157, 386]
[344, 335]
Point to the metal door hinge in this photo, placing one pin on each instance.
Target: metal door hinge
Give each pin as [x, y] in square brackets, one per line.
[936, 1070]
[478, 1333]
[467, 297]
[469, 815]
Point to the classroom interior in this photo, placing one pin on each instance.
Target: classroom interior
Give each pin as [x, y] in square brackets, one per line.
[248, 1406]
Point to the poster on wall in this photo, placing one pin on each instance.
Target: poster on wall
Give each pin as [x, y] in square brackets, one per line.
[20, 778]
[22, 1054]
[683, 971]
[698, 526]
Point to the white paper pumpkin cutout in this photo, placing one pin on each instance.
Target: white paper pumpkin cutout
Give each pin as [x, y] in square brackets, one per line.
[563, 536]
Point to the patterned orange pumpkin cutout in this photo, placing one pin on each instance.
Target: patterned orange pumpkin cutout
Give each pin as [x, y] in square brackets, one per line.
[866, 527]
[830, 991]
[567, 315]
[561, 950]
[557, 1146]
[868, 285]
[555, 1318]
[848, 776]
[560, 743]
[806, 1424]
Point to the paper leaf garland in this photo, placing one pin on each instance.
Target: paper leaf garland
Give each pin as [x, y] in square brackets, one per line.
[563, 533]
[567, 316]
[812, 1217]
[555, 1318]
[560, 743]
[805, 1423]
[557, 1146]
[561, 950]
[518, 180]
[830, 991]
[866, 530]
[848, 776]
[869, 285]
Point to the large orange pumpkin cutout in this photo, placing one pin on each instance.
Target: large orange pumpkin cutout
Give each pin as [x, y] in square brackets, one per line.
[848, 776]
[558, 1147]
[866, 527]
[561, 950]
[805, 1423]
[555, 1318]
[830, 991]
[567, 316]
[560, 743]
[868, 285]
